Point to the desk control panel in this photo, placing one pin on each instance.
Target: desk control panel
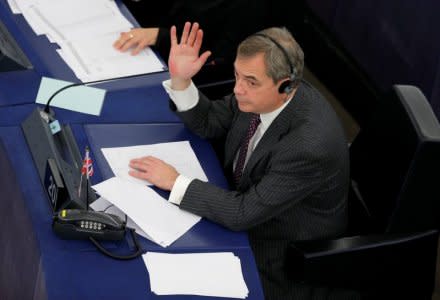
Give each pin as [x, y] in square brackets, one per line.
[82, 224]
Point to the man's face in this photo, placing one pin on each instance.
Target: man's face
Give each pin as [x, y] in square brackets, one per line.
[255, 91]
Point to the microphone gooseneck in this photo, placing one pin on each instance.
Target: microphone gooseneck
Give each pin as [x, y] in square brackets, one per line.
[47, 106]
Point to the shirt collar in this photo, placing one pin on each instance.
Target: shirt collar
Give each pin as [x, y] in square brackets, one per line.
[267, 118]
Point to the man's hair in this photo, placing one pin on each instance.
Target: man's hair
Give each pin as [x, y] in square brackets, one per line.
[277, 67]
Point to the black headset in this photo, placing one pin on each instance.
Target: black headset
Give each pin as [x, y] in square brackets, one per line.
[287, 85]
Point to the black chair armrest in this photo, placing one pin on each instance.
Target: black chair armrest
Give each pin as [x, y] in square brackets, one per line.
[361, 262]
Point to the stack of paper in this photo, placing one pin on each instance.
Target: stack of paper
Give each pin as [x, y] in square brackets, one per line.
[203, 274]
[86, 30]
[185, 162]
[161, 221]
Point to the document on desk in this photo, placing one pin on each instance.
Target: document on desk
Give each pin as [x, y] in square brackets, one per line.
[95, 59]
[178, 154]
[217, 274]
[160, 220]
[54, 18]
[85, 31]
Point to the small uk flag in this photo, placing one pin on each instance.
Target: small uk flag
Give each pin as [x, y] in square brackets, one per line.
[87, 167]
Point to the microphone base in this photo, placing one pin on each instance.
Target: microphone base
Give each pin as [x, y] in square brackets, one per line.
[58, 161]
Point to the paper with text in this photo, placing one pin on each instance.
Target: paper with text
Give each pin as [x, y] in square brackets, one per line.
[85, 31]
[178, 154]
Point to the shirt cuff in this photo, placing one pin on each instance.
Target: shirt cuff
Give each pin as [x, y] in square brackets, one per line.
[184, 99]
[179, 189]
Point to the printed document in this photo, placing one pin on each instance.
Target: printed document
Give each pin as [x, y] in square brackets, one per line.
[85, 31]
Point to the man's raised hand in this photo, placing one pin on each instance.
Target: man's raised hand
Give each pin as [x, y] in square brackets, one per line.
[184, 60]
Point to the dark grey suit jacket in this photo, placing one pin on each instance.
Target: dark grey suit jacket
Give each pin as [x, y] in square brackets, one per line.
[294, 185]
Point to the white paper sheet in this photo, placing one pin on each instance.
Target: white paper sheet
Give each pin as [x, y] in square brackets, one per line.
[216, 274]
[85, 31]
[162, 221]
[14, 7]
[53, 16]
[99, 60]
[178, 154]
[102, 204]
[25, 4]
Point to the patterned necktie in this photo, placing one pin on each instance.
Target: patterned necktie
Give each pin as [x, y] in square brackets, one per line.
[253, 124]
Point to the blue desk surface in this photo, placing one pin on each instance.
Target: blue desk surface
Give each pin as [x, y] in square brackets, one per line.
[74, 269]
[148, 104]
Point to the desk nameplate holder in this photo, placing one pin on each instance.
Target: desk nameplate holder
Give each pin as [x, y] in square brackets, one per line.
[58, 161]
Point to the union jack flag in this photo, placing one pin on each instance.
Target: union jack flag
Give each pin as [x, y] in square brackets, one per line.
[87, 167]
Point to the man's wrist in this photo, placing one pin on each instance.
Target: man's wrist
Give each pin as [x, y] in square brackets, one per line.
[184, 99]
[179, 189]
[172, 182]
[179, 84]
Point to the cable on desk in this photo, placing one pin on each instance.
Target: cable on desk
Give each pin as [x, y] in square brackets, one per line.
[120, 257]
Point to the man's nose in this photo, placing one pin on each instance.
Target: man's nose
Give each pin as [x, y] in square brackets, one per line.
[238, 87]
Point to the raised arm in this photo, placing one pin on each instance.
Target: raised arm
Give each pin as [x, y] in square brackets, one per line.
[185, 61]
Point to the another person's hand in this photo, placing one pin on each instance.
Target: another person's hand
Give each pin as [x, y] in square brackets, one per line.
[139, 38]
[184, 60]
[155, 171]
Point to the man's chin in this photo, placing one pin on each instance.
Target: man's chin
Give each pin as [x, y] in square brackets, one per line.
[243, 107]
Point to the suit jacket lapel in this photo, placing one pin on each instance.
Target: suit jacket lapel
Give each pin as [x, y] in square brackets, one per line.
[272, 135]
[279, 127]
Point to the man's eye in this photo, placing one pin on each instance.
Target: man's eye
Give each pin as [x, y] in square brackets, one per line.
[251, 83]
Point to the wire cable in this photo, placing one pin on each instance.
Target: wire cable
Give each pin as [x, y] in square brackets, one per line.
[134, 255]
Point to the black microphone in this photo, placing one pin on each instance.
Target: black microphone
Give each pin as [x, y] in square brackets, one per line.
[47, 106]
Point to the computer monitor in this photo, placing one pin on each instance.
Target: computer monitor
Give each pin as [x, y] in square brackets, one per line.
[11, 56]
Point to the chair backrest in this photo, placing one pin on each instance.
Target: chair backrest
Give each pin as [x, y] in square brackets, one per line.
[395, 162]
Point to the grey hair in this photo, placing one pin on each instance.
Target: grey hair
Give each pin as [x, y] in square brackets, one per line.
[277, 67]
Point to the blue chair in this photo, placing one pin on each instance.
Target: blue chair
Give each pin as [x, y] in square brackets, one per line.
[394, 208]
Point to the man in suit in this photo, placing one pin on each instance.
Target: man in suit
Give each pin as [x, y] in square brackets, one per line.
[285, 150]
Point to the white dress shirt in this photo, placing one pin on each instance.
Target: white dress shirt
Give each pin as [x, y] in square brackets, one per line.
[187, 99]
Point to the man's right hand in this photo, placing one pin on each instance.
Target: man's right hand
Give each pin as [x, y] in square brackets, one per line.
[184, 61]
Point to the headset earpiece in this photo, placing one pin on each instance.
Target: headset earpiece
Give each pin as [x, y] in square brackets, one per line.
[285, 87]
